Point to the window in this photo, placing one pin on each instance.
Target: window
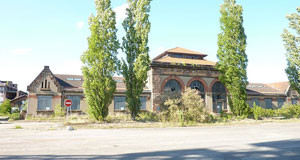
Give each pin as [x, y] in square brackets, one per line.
[75, 102]
[119, 102]
[172, 86]
[44, 103]
[280, 102]
[254, 100]
[198, 86]
[294, 100]
[143, 103]
[44, 84]
[268, 103]
[219, 97]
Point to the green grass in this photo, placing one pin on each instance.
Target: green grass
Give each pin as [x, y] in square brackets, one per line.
[18, 127]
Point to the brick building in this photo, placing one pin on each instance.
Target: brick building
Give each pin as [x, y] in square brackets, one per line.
[172, 71]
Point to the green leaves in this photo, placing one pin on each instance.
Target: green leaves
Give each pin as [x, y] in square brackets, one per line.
[137, 64]
[232, 56]
[100, 60]
[292, 45]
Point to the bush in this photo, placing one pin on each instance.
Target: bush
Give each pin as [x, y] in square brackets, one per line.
[15, 116]
[190, 107]
[259, 112]
[5, 107]
[59, 111]
[148, 117]
[289, 111]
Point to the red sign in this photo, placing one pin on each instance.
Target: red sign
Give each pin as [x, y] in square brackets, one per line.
[68, 102]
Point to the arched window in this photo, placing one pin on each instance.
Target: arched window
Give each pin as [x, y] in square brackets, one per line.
[219, 97]
[172, 86]
[198, 86]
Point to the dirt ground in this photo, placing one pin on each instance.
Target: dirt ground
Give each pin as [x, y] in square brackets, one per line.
[47, 140]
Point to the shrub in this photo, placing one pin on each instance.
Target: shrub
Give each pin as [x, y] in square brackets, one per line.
[289, 111]
[59, 111]
[5, 107]
[259, 112]
[18, 127]
[189, 107]
[15, 116]
[148, 116]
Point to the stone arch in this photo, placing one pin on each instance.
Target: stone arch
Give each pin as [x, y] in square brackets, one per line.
[181, 83]
[198, 79]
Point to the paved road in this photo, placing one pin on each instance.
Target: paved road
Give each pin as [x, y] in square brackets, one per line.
[247, 142]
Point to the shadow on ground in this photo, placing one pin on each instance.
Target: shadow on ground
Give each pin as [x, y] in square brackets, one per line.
[274, 150]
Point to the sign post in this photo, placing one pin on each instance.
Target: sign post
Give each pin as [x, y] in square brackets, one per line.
[68, 104]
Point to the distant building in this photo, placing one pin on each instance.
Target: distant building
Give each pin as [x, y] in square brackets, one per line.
[8, 90]
[171, 72]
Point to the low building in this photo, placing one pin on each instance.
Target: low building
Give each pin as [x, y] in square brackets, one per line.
[49, 90]
[171, 72]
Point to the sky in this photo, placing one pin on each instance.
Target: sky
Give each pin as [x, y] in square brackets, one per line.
[35, 33]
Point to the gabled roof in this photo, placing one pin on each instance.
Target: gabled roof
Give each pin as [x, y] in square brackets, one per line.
[278, 88]
[181, 51]
[46, 70]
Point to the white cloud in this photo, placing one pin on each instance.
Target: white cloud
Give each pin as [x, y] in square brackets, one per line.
[80, 24]
[21, 51]
[120, 13]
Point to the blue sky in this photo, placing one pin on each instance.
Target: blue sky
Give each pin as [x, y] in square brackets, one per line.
[34, 33]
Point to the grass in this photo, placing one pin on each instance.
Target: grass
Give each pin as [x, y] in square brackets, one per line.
[18, 127]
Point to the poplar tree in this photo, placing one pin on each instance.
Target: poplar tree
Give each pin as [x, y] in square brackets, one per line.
[135, 46]
[100, 60]
[292, 45]
[232, 57]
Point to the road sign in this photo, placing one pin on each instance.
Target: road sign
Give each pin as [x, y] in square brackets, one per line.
[68, 102]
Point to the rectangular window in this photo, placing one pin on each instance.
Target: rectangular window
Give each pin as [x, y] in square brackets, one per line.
[119, 102]
[268, 102]
[255, 100]
[280, 102]
[44, 103]
[75, 102]
[143, 103]
[294, 100]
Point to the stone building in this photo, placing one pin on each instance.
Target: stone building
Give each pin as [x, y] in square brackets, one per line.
[171, 72]
[49, 90]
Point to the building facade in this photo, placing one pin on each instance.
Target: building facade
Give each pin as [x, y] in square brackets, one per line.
[173, 71]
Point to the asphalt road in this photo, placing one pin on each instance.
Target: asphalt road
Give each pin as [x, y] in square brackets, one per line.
[247, 142]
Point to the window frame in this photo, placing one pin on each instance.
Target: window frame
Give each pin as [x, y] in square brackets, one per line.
[40, 101]
[115, 100]
[266, 105]
[74, 98]
[143, 103]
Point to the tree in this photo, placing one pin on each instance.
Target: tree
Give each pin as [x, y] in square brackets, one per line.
[100, 60]
[292, 45]
[134, 70]
[232, 57]
[5, 107]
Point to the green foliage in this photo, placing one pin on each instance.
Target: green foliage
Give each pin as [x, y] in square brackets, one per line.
[148, 117]
[289, 111]
[134, 70]
[15, 116]
[259, 112]
[59, 111]
[100, 60]
[5, 107]
[292, 45]
[190, 107]
[233, 60]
